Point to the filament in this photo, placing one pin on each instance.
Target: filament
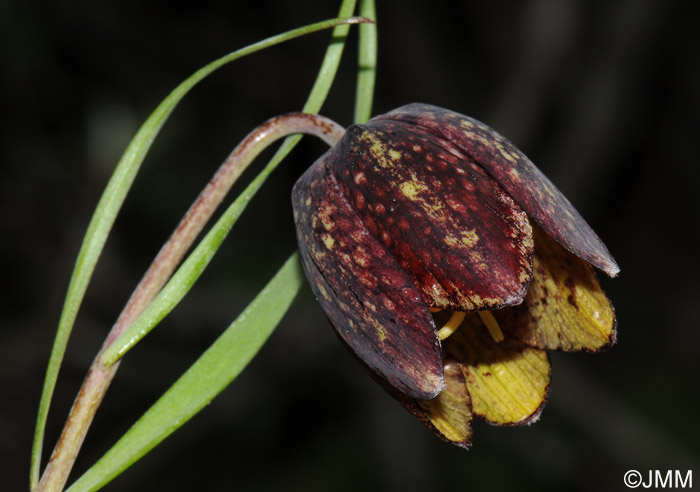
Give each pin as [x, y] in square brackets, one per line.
[452, 324]
[491, 325]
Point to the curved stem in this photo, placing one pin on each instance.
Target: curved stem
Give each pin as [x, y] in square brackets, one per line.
[100, 376]
[123, 176]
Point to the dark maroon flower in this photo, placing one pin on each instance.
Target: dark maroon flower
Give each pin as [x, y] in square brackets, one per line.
[424, 223]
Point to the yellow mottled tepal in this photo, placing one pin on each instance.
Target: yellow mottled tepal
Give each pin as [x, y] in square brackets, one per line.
[450, 412]
[564, 307]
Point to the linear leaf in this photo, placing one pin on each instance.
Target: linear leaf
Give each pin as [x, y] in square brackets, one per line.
[119, 457]
[108, 207]
[207, 377]
[197, 261]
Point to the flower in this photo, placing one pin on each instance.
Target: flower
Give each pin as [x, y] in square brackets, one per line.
[449, 264]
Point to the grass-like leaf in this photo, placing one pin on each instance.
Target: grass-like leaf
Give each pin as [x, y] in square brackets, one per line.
[191, 269]
[114, 462]
[108, 207]
[194, 265]
[207, 377]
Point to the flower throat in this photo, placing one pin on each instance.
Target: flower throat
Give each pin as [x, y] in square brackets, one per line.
[458, 316]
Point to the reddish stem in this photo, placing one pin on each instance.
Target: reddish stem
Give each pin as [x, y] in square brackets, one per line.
[100, 376]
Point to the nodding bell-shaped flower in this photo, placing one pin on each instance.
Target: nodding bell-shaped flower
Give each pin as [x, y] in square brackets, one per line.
[449, 264]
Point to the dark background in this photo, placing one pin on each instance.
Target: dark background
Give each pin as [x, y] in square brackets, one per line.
[602, 95]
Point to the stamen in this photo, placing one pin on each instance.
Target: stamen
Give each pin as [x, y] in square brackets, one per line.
[435, 310]
[451, 325]
[492, 325]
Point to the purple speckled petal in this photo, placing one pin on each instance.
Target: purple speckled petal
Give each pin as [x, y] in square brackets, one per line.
[531, 189]
[370, 300]
[464, 241]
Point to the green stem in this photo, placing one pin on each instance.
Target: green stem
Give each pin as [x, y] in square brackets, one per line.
[100, 375]
[93, 243]
[366, 63]
[206, 378]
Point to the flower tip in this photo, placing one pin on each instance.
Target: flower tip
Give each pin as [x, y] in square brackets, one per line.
[597, 253]
[426, 389]
[466, 444]
[602, 261]
[535, 416]
[613, 269]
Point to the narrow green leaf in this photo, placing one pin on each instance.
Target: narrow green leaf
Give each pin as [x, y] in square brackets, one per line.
[185, 277]
[114, 462]
[183, 280]
[329, 66]
[108, 207]
[366, 63]
[207, 377]
[324, 80]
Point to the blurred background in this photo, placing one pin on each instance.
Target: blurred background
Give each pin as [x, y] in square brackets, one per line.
[604, 96]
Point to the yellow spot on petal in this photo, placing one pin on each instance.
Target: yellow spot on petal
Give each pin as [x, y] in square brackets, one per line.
[451, 241]
[361, 260]
[324, 292]
[377, 149]
[412, 189]
[439, 295]
[470, 238]
[394, 154]
[476, 257]
[507, 155]
[381, 331]
[325, 214]
[328, 241]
